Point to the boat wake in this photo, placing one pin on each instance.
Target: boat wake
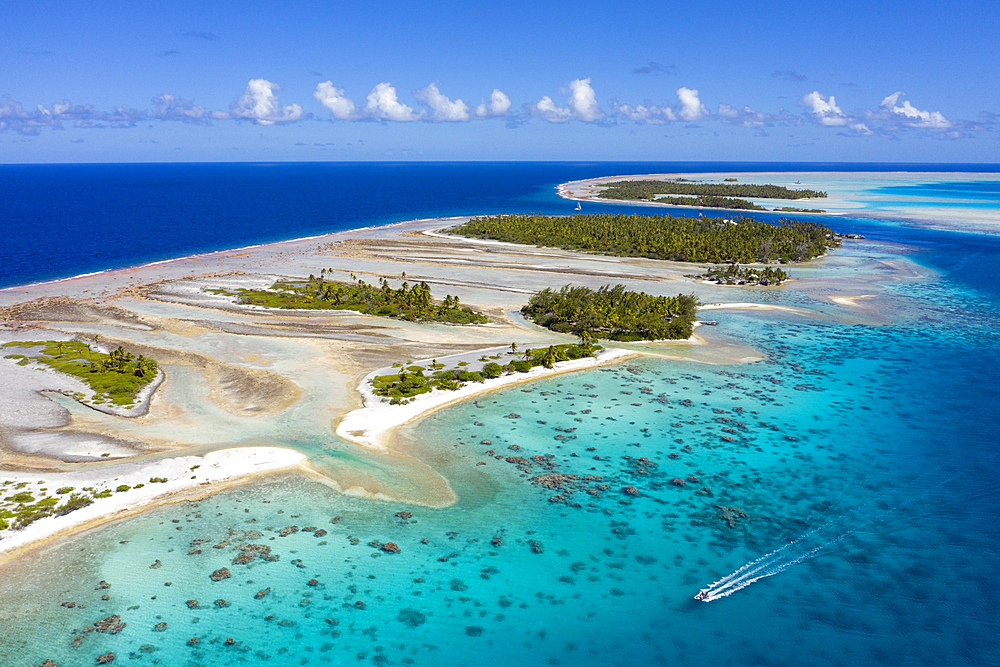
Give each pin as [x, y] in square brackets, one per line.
[768, 565]
[828, 535]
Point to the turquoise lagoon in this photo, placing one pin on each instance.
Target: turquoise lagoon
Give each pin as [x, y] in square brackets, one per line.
[858, 459]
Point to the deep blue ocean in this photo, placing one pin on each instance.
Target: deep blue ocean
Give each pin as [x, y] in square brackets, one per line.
[58, 221]
[843, 490]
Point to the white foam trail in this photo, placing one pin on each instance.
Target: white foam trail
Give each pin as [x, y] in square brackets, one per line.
[767, 565]
[805, 547]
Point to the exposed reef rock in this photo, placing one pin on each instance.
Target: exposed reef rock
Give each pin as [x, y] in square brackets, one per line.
[111, 625]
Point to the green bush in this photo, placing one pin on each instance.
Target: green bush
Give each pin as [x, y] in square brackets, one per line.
[520, 366]
[492, 370]
[73, 503]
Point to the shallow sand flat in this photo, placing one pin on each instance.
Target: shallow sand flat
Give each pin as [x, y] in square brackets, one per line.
[241, 377]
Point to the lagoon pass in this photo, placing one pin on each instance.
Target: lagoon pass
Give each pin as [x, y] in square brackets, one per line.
[820, 466]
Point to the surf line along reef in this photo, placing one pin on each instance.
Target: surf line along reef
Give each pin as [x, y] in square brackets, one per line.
[280, 363]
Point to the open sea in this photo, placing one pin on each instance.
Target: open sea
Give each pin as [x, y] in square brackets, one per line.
[842, 493]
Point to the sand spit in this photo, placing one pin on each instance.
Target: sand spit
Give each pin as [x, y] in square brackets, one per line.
[187, 478]
[850, 300]
[372, 425]
[746, 305]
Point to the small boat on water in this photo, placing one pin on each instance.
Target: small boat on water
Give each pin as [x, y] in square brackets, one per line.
[711, 323]
[702, 595]
[579, 207]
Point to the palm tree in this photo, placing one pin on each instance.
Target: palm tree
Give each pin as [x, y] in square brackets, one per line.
[550, 357]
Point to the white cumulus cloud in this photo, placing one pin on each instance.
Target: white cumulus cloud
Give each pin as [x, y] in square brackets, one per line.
[548, 110]
[647, 113]
[383, 103]
[260, 104]
[691, 107]
[583, 101]
[334, 99]
[825, 111]
[581, 105]
[168, 107]
[442, 108]
[498, 106]
[916, 117]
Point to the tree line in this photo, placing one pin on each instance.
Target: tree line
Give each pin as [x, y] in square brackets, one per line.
[407, 302]
[647, 190]
[613, 313]
[708, 240]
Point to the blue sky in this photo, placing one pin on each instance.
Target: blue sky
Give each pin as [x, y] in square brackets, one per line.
[348, 80]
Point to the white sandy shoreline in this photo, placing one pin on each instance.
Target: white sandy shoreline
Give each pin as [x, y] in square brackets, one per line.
[372, 425]
[186, 476]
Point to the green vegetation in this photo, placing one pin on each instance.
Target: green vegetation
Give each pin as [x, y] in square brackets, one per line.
[115, 378]
[21, 509]
[710, 201]
[411, 381]
[648, 190]
[710, 240]
[734, 274]
[409, 302]
[792, 209]
[613, 313]
[73, 503]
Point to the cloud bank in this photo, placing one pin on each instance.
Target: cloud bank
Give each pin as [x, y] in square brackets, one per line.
[260, 105]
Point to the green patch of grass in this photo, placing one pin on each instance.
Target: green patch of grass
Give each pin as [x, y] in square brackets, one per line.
[103, 494]
[64, 490]
[122, 488]
[115, 378]
[155, 480]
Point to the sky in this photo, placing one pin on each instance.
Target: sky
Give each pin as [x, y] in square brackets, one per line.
[853, 81]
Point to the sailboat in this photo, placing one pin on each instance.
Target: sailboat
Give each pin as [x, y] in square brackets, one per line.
[579, 207]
